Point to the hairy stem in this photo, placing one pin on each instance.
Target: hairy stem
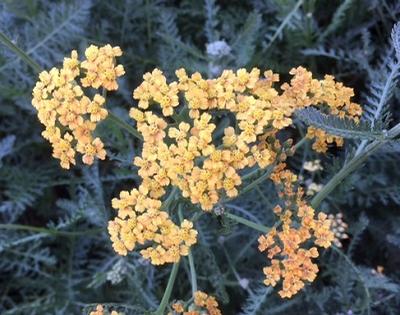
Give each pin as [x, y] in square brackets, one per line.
[192, 268]
[193, 275]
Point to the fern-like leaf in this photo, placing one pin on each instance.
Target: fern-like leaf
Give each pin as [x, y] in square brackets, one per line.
[211, 10]
[338, 18]
[337, 126]
[244, 45]
[255, 301]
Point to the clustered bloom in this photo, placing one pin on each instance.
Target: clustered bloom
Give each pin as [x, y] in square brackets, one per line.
[141, 220]
[100, 311]
[285, 245]
[189, 151]
[203, 305]
[339, 228]
[186, 153]
[70, 117]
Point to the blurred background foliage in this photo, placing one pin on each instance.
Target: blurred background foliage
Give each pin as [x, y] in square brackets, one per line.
[55, 254]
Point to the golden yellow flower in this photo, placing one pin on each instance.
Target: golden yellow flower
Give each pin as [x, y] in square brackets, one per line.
[100, 67]
[70, 116]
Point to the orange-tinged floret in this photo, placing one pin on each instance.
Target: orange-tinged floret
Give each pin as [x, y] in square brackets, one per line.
[290, 260]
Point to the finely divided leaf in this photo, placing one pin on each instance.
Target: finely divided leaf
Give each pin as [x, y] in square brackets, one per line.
[337, 126]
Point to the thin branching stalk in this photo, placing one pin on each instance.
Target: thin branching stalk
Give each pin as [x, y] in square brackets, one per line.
[193, 275]
[28, 60]
[351, 166]
[167, 203]
[122, 124]
[251, 224]
[168, 290]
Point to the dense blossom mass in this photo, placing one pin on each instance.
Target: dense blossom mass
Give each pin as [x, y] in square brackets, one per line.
[182, 149]
[70, 117]
[200, 139]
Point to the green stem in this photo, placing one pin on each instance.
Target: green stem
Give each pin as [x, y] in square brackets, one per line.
[119, 122]
[168, 290]
[251, 224]
[48, 231]
[300, 143]
[7, 42]
[193, 275]
[258, 180]
[192, 268]
[351, 166]
[167, 203]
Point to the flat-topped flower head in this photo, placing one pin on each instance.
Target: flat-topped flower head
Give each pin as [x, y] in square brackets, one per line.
[69, 116]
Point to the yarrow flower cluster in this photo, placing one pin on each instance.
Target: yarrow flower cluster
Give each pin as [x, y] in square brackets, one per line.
[185, 155]
[141, 220]
[203, 305]
[70, 117]
[290, 260]
[190, 152]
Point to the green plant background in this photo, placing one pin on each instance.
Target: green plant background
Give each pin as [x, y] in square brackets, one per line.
[55, 254]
